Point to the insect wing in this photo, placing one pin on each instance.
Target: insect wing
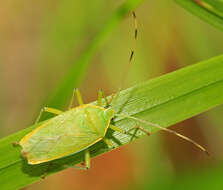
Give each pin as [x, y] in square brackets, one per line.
[60, 136]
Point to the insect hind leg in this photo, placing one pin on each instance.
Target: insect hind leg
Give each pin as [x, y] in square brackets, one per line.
[49, 110]
[77, 167]
[46, 171]
[115, 128]
[87, 162]
[101, 95]
[137, 127]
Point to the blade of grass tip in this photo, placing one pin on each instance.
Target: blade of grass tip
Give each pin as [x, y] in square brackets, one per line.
[76, 73]
[165, 100]
[204, 11]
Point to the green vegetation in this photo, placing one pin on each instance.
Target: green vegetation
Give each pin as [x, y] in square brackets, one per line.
[165, 100]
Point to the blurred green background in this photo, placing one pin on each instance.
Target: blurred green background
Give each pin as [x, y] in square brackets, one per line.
[41, 40]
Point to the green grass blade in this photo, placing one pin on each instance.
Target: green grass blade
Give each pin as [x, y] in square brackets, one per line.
[214, 6]
[210, 11]
[165, 100]
[76, 72]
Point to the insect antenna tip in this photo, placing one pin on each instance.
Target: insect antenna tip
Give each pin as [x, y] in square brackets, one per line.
[208, 154]
[134, 14]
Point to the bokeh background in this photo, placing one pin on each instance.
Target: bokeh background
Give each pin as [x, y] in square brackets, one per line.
[40, 40]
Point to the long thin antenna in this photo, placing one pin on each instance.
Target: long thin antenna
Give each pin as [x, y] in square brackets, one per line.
[165, 129]
[125, 75]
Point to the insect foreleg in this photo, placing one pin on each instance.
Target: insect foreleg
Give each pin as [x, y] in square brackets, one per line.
[101, 95]
[111, 99]
[100, 98]
[115, 97]
[113, 127]
[108, 142]
[49, 110]
[76, 167]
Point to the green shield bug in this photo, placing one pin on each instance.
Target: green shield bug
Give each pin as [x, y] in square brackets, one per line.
[79, 128]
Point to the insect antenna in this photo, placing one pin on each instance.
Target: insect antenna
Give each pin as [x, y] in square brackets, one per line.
[167, 130]
[126, 72]
[125, 75]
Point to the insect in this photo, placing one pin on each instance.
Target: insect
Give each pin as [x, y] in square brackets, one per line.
[78, 129]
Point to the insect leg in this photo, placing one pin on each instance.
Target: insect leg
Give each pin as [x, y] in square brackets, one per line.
[113, 127]
[78, 95]
[79, 98]
[142, 129]
[101, 95]
[116, 96]
[46, 171]
[108, 142]
[87, 159]
[72, 99]
[111, 99]
[84, 166]
[164, 129]
[49, 110]
[76, 167]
